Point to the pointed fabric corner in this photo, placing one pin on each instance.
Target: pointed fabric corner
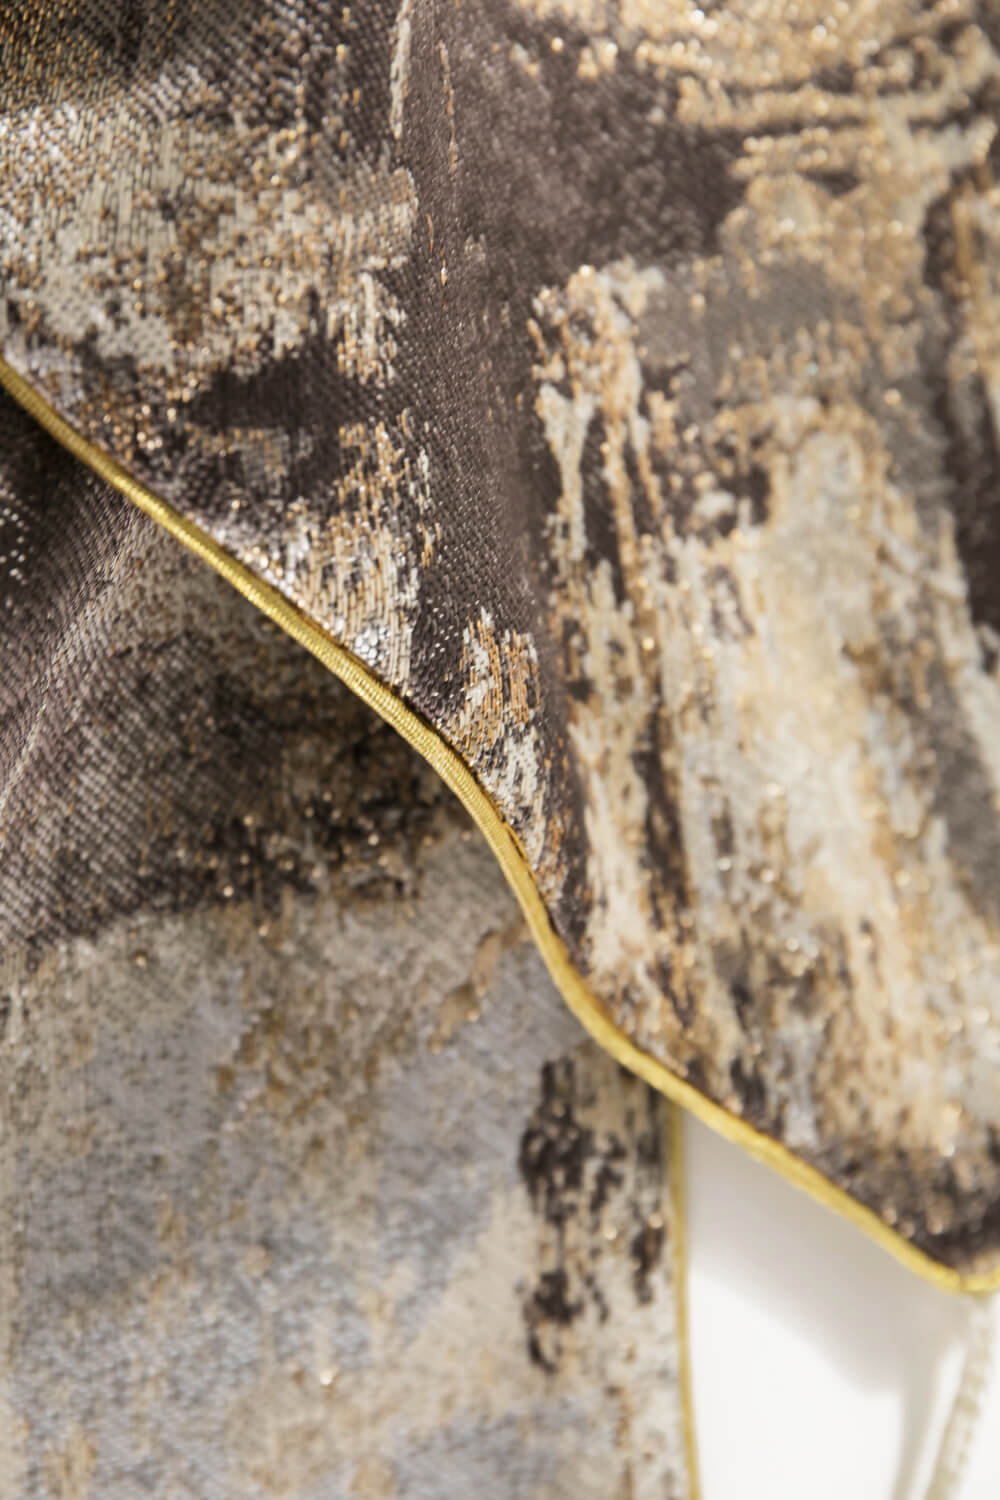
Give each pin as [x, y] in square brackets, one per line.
[619, 389]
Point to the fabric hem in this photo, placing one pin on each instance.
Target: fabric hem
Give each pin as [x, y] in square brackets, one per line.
[678, 1193]
[504, 843]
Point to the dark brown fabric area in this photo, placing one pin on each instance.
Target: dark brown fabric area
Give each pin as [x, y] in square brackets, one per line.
[621, 390]
[166, 745]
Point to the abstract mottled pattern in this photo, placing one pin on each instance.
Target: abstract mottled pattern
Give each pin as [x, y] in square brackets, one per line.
[619, 382]
[310, 1185]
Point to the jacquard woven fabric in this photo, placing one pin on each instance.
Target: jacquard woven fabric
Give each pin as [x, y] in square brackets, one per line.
[310, 1185]
[618, 384]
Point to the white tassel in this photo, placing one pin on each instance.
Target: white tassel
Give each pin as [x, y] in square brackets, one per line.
[963, 1419]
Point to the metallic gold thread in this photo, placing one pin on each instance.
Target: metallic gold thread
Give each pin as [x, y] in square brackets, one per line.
[678, 1192]
[460, 780]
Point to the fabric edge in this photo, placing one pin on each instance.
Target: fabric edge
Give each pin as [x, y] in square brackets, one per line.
[506, 848]
[678, 1193]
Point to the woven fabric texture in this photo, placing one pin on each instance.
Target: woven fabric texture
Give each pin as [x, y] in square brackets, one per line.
[619, 384]
[310, 1185]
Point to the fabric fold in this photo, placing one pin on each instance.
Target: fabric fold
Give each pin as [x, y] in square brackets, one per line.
[309, 1183]
[617, 389]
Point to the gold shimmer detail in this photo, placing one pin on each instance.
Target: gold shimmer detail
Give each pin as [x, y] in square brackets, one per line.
[678, 1188]
[505, 846]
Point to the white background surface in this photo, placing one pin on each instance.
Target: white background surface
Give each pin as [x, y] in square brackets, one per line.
[822, 1370]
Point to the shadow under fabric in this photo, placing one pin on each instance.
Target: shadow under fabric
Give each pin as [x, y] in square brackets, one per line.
[607, 394]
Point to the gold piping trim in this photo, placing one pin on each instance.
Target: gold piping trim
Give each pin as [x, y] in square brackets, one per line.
[678, 1194]
[459, 779]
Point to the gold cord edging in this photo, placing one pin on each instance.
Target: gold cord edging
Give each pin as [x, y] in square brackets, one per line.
[501, 839]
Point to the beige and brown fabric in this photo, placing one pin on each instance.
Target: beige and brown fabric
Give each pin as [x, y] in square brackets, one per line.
[310, 1185]
[609, 391]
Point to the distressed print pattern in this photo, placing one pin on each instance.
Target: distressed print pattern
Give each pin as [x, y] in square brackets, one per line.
[310, 1185]
[619, 383]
